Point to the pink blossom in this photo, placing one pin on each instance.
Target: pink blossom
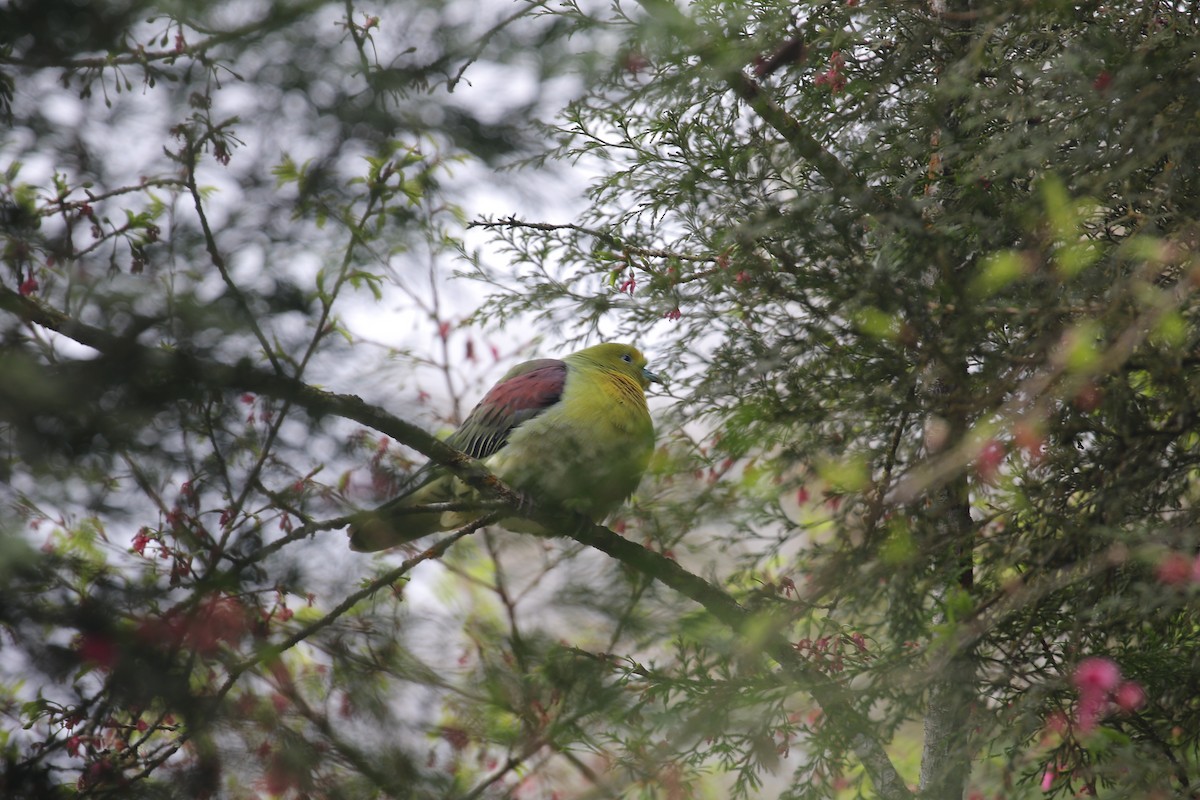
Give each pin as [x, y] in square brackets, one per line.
[990, 457]
[1174, 569]
[1130, 696]
[1091, 706]
[140, 540]
[1095, 678]
[1047, 780]
[97, 649]
[1096, 675]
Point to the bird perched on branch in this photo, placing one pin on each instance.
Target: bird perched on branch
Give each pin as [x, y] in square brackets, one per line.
[575, 433]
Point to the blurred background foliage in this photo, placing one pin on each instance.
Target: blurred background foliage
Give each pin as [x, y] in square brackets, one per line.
[922, 277]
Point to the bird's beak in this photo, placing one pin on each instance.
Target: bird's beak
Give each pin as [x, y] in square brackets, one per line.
[649, 377]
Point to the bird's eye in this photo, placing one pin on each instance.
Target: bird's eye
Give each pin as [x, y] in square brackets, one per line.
[628, 359]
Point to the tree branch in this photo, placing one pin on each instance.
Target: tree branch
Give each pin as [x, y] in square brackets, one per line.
[840, 712]
[177, 373]
[713, 55]
[181, 374]
[610, 239]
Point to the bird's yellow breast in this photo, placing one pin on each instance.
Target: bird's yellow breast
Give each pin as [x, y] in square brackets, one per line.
[613, 399]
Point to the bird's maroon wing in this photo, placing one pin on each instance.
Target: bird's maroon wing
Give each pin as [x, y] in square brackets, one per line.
[526, 391]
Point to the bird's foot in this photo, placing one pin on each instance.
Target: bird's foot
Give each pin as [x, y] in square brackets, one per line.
[525, 503]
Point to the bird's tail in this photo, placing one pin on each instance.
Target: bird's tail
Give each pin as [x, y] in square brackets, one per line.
[391, 524]
[379, 529]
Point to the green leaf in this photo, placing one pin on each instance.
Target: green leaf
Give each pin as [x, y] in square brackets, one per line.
[1171, 331]
[998, 271]
[1060, 210]
[877, 324]
[846, 473]
[1081, 346]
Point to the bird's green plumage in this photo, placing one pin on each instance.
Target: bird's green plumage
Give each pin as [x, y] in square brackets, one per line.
[575, 433]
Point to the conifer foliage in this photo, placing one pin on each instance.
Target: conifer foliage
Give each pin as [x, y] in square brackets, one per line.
[922, 281]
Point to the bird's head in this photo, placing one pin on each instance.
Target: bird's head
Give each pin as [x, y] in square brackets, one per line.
[620, 358]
